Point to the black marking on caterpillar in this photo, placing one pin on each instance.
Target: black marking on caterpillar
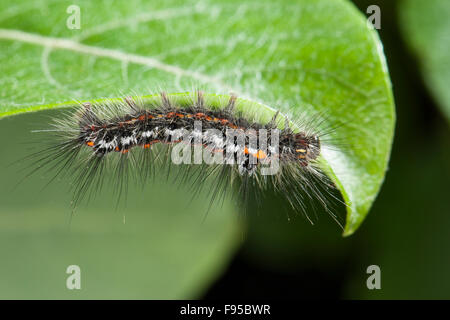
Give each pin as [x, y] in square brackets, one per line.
[95, 133]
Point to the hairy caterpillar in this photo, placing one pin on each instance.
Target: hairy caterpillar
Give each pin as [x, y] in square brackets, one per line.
[211, 137]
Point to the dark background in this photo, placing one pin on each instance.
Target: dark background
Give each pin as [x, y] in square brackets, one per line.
[406, 233]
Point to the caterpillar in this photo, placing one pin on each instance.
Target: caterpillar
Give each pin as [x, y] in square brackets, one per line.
[208, 137]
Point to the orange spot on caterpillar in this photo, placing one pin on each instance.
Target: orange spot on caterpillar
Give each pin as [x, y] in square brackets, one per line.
[260, 154]
[117, 149]
[142, 118]
[147, 145]
[90, 143]
[125, 151]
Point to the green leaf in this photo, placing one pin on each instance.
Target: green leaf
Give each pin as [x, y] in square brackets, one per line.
[425, 26]
[289, 55]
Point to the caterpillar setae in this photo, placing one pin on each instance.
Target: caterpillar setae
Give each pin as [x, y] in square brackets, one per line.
[209, 136]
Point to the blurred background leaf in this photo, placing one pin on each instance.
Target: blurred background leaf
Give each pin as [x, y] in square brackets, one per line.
[316, 54]
[425, 27]
[154, 246]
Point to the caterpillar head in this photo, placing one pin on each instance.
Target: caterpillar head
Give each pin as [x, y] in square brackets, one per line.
[306, 147]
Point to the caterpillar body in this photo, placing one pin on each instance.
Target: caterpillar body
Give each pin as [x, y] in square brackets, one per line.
[146, 127]
[133, 131]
